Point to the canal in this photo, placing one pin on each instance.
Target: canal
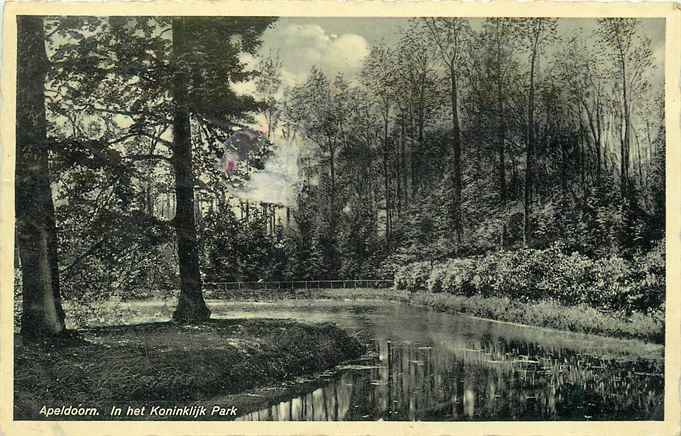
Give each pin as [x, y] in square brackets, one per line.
[427, 365]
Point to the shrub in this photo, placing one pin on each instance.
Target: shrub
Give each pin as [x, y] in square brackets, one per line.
[608, 284]
[413, 277]
[436, 277]
[458, 276]
[651, 281]
[569, 279]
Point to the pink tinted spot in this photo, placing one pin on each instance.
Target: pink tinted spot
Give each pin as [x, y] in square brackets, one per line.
[230, 166]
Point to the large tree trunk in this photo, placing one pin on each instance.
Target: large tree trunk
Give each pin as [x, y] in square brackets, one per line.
[42, 315]
[191, 307]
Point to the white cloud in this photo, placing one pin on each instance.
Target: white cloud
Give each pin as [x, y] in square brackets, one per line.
[347, 53]
[302, 46]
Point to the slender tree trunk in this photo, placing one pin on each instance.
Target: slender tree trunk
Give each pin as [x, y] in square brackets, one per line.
[596, 139]
[624, 161]
[599, 163]
[332, 170]
[563, 166]
[403, 150]
[198, 216]
[191, 307]
[601, 147]
[501, 139]
[456, 151]
[529, 156]
[421, 131]
[640, 161]
[274, 218]
[398, 176]
[416, 146]
[650, 153]
[582, 155]
[36, 232]
[388, 224]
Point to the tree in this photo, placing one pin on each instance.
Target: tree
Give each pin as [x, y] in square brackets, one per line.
[450, 36]
[205, 56]
[110, 180]
[379, 76]
[42, 315]
[268, 84]
[632, 56]
[137, 77]
[581, 71]
[499, 35]
[416, 96]
[321, 111]
[191, 307]
[537, 32]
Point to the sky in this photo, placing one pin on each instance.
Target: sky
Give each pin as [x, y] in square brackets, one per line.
[333, 44]
[340, 44]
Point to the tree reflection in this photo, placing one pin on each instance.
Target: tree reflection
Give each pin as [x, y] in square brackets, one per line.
[488, 378]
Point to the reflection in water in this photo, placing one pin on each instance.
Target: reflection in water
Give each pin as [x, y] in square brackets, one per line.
[461, 369]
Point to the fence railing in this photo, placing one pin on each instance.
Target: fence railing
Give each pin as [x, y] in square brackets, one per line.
[297, 285]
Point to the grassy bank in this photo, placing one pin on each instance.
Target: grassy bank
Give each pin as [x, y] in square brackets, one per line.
[168, 364]
[580, 319]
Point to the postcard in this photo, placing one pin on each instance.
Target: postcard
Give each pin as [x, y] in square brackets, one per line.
[243, 217]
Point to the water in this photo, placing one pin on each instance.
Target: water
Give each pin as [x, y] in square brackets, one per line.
[425, 365]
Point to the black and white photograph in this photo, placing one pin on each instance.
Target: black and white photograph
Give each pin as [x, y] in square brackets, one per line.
[339, 218]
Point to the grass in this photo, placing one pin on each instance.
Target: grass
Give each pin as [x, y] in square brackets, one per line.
[168, 364]
[580, 319]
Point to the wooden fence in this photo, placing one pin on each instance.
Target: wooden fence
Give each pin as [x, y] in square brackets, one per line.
[297, 285]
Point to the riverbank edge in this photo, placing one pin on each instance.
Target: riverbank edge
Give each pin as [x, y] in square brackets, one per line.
[167, 364]
[545, 314]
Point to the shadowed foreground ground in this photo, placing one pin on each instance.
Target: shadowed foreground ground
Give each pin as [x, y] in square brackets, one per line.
[170, 365]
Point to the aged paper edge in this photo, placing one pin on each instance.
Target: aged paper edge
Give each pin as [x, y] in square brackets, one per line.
[671, 11]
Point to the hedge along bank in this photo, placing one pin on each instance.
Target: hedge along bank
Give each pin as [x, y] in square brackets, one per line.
[610, 284]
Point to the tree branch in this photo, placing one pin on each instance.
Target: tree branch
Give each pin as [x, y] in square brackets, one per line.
[151, 156]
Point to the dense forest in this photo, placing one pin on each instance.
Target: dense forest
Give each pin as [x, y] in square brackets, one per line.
[460, 144]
